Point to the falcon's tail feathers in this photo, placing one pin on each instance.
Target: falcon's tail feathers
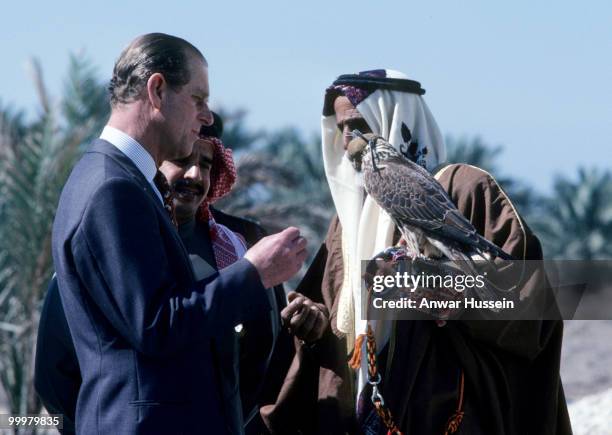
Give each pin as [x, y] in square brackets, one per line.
[491, 248]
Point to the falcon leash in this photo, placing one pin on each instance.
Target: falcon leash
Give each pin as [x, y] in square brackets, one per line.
[375, 378]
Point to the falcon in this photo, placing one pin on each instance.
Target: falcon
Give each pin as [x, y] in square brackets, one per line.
[429, 222]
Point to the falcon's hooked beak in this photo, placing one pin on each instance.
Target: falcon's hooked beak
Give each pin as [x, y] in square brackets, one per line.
[356, 148]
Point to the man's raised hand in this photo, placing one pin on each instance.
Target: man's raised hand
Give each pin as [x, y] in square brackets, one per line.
[278, 257]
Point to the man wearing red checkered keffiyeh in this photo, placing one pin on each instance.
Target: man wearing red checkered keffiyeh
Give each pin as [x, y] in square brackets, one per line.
[228, 246]
[198, 181]
[222, 175]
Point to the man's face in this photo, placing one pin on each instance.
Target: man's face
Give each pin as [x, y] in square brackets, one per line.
[190, 177]
[348, 119]
[185, 112]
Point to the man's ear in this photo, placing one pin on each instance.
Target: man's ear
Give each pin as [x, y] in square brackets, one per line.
[156, 90]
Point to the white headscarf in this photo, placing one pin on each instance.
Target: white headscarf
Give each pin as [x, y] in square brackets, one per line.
[401, 118]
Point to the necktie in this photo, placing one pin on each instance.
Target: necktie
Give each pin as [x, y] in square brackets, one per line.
[167, 195]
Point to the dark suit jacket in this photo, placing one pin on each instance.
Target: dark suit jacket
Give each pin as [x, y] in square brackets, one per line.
[57, 378]
[142, 326]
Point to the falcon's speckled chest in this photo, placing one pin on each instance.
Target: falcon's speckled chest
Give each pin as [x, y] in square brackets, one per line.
[391, 182]
[391, 179]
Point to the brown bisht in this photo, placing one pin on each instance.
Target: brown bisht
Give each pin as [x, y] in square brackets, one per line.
[511, 368]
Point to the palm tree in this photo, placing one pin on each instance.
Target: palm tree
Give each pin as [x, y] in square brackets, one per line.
[476, 152]
[36, 158]
[235, 131]
[281, 182]
[577, 219]
[472, 151]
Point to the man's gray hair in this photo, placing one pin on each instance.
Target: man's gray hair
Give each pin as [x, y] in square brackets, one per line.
[146, 55]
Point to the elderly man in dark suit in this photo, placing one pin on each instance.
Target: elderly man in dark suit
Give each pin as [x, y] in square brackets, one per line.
[143, 326]
[244, 355]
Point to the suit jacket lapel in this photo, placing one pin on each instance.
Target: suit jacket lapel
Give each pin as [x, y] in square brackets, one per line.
[108, 149]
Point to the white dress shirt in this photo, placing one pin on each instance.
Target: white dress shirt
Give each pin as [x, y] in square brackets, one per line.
[135, 152]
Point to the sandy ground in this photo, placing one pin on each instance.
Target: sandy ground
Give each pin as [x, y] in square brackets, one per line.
[586, 371]
[586, 361]
[592, 415]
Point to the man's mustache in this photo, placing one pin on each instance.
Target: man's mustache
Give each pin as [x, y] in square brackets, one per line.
[184, 184]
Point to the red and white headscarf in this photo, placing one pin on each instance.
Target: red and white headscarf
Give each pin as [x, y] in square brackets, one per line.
[228, 246]
[222, 176]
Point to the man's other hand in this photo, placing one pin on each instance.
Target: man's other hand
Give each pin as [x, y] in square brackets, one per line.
[304, 318]
[278, 257]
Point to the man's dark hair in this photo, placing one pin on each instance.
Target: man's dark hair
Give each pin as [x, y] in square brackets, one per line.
[213, 130]
[146, 55]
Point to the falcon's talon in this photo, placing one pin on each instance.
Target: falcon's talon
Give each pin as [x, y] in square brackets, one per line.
[400, 254]
[393, 254]
[389, 250]
[414, 256]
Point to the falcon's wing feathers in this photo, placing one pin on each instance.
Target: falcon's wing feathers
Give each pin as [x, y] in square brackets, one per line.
[418, 201]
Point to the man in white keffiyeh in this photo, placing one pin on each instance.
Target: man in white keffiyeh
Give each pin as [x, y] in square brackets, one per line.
[403, 119]
[468, 377]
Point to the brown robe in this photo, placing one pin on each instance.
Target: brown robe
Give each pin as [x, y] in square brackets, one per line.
[512, 382]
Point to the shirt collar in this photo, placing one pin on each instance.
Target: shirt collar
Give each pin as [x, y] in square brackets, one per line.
[132, 149]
